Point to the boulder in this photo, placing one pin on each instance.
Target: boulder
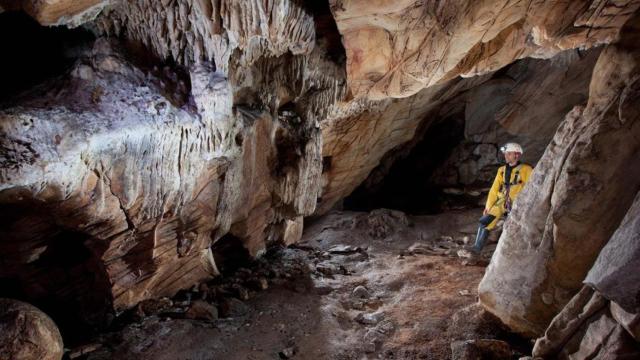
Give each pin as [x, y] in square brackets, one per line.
[26, 333]
[202, 310]
[480, 349]
[593, 323]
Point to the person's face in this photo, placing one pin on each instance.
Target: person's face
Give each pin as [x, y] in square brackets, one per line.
[512, 157]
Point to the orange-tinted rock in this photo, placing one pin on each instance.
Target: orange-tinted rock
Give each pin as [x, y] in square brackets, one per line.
[59, 12]
[396, 48]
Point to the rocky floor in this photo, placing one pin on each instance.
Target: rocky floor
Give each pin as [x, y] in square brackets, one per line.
[376, 285]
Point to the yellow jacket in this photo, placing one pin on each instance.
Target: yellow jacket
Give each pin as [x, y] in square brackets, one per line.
[519, 177]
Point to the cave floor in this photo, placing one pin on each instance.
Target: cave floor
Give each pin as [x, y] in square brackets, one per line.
[359, 285]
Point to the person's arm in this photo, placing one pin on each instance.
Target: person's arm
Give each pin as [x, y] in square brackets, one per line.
[493, 193]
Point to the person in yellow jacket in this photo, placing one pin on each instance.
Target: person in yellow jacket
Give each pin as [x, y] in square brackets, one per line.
[503, 193]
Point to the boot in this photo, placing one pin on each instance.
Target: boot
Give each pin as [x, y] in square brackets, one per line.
[481, 238]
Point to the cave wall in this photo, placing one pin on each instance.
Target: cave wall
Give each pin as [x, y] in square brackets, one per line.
[187, 121]
[581, 189]
[603, 319]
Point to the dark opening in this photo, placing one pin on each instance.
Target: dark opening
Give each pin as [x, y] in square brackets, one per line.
[288, 151]
[32, 53]
[67, 283]
[327, 33]
[230, 254]
[66, 250]
[326, 163]
[406, 185]
[239, 139]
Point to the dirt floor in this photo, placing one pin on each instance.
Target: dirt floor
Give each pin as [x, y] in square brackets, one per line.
[376, 285]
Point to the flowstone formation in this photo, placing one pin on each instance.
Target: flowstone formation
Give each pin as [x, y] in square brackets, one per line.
[190, 123]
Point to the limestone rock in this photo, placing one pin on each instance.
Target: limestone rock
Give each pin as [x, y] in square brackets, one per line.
[579, 192]
[584, 305]
[358, 134]
[191, 32]
[396, 48]
[629, 321]
[71, 13]
[526, 104]
[26, 333]
[293, 230]
[135, 185]
[587, 334]
[120, 178]
[615, 272]
[574, 332]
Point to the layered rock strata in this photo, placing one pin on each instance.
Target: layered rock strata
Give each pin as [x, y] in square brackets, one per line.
[120, 177]
[579, 193]
[108, 185]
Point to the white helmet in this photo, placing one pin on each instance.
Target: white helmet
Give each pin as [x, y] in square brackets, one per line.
[515, 147]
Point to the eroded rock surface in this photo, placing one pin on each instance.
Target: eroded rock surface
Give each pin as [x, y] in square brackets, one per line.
[614, 273]
[590, 326]
[603, 319]
[71, 13]
[132, 189]
[396, 48]
[579, 193]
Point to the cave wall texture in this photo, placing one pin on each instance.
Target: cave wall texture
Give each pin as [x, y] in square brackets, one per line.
[186, 121]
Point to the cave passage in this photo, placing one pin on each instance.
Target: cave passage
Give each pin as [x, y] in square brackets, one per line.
[408, 186]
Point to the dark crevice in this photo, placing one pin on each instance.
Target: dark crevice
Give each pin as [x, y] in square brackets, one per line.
[230, 254]
[33, 53]
[67, 282]
[327, 33]
[326, 163]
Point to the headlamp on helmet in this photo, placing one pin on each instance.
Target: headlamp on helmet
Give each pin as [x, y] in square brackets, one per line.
[511, 147]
